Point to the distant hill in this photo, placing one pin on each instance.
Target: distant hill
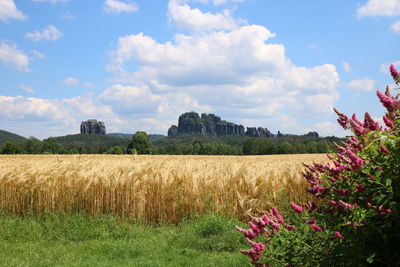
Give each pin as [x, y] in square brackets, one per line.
[153, 137]
[7, 136]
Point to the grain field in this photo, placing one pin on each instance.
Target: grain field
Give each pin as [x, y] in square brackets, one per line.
[153, 189]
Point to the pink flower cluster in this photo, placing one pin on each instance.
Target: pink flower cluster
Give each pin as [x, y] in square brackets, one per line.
[395, 74]
[388, 101]
[272, 220]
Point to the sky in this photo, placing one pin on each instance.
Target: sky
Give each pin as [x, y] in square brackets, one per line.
[138, 65]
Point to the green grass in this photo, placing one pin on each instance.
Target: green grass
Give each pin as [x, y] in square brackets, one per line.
[81, 240]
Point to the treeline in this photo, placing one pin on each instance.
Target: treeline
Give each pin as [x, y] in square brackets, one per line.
[252, 146]
[140, 144]
[33, 145]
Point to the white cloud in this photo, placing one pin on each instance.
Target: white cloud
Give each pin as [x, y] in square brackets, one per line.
[118, 6]
[330, 129]
[51, 33]
[75, 81]
[241, 68]
[379, 8]
[346, 66]
[26, 88]
[363, 84]
[20, 108]
[130, 99]
[385, 67]
[194, 19]
[70, 81]
[8, 10]
[38, 54]
[10, 54]
[214, 58]
[396, 27]
[42, 118]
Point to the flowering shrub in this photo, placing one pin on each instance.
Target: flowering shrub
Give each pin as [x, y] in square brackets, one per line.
[355, 217]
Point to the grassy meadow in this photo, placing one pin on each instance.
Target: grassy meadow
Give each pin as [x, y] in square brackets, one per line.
[101, 210]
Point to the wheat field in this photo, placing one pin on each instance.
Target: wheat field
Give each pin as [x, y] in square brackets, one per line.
[152, 189]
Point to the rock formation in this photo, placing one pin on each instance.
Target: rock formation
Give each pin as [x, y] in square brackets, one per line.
[258, 132]
[312, 134]
[93, 127]
[212, 125]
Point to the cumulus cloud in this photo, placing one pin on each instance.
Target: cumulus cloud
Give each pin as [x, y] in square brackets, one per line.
[8, 10]
[118, 6]
[185, 17]
[130, 99]
[241, 68]
[363, 84]
[396, 27]
[26, 88]
[11, 55]
[57, 116]
[346, 66]
[50, 33]
[379, 8]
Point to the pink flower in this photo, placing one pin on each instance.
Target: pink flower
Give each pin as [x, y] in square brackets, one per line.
[388, 122]
[296, 208]
[340, 192]
[370, 123]
[343, 119]
[274, 211]
[247, 233]
[311, 221]
[280, 218]
[360, 188]
[346, 206]
[388, 102]
[356, 162]
[290, 227]
[395, 74]
[383, 149]
[316, 228]
[254, 227]
[357, 126]
[338, 235]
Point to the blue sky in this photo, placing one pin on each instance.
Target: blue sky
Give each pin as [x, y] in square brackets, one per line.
[137, 65]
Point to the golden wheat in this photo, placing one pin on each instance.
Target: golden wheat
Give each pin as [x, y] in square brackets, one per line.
[149, 188]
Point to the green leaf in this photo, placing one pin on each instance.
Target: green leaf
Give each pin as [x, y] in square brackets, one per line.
[371, 258]
[388, 182]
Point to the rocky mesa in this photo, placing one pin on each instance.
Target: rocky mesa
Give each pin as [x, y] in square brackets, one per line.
[93, 127]
[212, 125]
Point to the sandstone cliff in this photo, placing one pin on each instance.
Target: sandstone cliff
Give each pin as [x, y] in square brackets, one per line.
[93, 127]
[212, 125]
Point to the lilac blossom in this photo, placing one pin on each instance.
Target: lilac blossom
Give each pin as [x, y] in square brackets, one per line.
[296, 208]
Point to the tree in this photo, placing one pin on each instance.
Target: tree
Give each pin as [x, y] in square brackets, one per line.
[50, 145]
[115, 150]
[33, 146]
[141, 143]
[8, 148]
